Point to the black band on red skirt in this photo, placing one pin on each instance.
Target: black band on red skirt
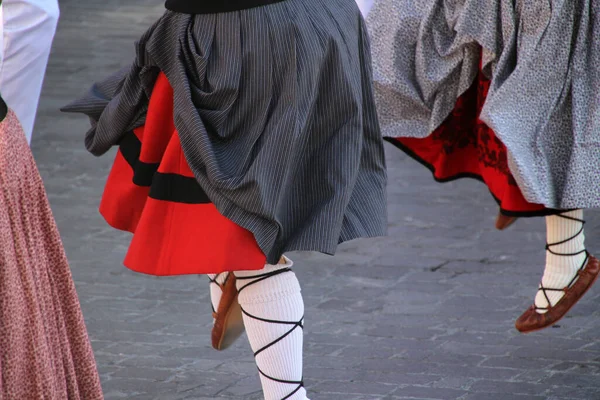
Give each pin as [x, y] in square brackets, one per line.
[169, 187]
[177, 188]
[214, 7]
[143, 173]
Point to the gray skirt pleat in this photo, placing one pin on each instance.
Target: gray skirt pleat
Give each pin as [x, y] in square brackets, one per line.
[275, 112]
[543, 59]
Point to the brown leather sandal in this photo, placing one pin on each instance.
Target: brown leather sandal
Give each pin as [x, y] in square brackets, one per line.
[229, 324]
[531, 320]
[504, 221]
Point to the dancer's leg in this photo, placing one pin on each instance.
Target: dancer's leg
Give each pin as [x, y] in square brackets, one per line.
[273, 311]
[565, 255]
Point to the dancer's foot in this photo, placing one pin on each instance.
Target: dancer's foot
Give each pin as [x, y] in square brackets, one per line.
[273, 312]
[532, 320]
[504, 221]
[569, 272]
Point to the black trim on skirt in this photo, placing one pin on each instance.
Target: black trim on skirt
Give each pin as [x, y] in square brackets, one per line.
[540, 213]
[214, 7]
[163, 186]
[3, 106]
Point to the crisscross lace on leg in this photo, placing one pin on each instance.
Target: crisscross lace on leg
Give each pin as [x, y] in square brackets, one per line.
[549, 246]
[293, 326]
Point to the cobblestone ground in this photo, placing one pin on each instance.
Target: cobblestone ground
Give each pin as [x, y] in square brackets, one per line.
[426, 313]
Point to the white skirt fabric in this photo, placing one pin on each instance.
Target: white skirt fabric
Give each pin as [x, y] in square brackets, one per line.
[27, 29]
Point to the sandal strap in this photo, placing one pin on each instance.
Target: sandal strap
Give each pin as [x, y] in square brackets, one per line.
[294, 325]
[550, 245]
[547, 289]
[260, 277]
[549, 249]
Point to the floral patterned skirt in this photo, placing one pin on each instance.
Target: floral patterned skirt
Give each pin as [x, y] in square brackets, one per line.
[45, 352]
[465, 147]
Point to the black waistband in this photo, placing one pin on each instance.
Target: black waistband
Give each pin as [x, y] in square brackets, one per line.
[214, 6]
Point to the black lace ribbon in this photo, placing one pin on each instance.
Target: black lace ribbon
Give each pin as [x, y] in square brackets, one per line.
[549, 249]
[293, 326]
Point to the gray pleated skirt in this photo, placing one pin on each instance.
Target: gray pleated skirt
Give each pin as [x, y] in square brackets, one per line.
[543, 59]
[275, 113]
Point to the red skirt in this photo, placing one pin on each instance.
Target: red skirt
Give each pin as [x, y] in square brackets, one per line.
[152, 193]
[465, 147]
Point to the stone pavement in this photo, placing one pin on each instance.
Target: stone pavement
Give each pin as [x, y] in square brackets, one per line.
[426, 313]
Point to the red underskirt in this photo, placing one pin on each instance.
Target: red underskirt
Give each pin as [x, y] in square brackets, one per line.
[465, 147]
[152, 193]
